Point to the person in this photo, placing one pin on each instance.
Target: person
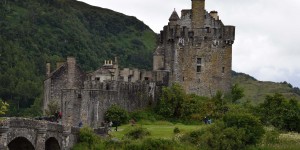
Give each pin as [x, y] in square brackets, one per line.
[205, 120]
[110, 124]
[60, 115]
[56, 116]
[80, 124]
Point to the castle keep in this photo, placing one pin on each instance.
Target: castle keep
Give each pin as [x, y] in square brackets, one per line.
[194, 50]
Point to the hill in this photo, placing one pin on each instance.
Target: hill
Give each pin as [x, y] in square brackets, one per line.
[255, 91]
[33, 32]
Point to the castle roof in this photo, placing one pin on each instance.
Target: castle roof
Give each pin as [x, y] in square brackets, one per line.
[174, 16]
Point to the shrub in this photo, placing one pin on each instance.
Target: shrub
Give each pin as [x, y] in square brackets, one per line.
[279, 112]
[156, 144]
[235, 131]
[116, 114]
[137, 133]
[87, 135]
[249, 123]
[271, 137]
[176, 130]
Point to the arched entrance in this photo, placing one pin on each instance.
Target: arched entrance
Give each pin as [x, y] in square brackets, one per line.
[52, 144]
[20, 143]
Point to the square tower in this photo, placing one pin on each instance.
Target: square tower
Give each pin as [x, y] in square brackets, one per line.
[196, 51]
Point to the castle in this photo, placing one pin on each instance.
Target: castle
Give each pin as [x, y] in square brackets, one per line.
[194, 50]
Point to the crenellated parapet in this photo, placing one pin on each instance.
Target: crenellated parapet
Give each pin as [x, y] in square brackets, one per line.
[196, 51]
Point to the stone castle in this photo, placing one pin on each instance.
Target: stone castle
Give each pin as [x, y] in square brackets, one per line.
[195, 50]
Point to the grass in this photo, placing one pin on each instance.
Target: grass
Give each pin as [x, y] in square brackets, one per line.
[158, 129]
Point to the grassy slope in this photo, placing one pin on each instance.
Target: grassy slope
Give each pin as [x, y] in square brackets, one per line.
[256, 91]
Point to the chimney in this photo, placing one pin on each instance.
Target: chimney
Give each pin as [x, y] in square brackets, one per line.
[198, 13]
[214, 14]
[48, 69]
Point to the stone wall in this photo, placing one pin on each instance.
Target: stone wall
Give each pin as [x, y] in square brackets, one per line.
[96, 97]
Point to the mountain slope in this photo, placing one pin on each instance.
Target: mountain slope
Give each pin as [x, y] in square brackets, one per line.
[255, 91]
[33, 32]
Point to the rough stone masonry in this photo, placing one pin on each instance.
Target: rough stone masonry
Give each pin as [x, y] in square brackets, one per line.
[194, 50]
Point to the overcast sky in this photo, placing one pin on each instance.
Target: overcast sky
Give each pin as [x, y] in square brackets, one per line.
[267, 42]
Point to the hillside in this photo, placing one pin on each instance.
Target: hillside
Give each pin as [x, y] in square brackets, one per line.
[33, 32]
[256, 91]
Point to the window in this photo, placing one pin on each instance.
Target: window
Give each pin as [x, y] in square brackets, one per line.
[199, 60]
[198, 68]
[199, 64]
[223, 69]
[98, 79]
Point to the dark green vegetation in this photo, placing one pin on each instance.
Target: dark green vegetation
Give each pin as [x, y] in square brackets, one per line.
[116, 114]
[273, 124]
[33, 32]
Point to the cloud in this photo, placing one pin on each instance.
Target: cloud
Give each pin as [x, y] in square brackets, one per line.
[267, 31]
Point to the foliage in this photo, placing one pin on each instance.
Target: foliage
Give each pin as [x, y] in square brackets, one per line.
[279, 112]
[137, 133]
[176, 130]
[3, 107]
[236, 131]
[116, 114]
[146, 114]
[171, 101]
[34, 32]
[53, 107]
[271, 137]
[155, 144]
[236, 93]
[87, 135]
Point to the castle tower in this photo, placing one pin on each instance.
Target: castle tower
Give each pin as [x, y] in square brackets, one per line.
[198, 13]
[195, 51]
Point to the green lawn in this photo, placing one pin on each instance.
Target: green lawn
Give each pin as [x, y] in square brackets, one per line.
[160, 129]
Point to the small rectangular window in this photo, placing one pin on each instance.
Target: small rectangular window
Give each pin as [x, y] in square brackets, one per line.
[223, 69]
[198, 68]
[98, 79]
[199, 61]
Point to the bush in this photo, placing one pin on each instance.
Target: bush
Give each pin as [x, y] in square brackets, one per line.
[280, 113]
[87, 135]
[137, 133]
[116, 114]
[249, 123]
[271, 137]
[156, 144]
[176, 130]
[143, 115]
[235, 131]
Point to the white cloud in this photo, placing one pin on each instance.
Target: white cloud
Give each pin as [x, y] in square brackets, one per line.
[267, 31]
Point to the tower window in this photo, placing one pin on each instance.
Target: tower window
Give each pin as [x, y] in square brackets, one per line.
[198, 68]
[199, 61]
[199, 64]
[223, 69]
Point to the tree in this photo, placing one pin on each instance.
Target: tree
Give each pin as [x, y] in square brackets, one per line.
[236, 93]
[3, 107]
[116, 114]
[279, 112]
[171, 101]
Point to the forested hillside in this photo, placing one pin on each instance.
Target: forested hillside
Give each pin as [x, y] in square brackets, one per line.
[33, 32]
